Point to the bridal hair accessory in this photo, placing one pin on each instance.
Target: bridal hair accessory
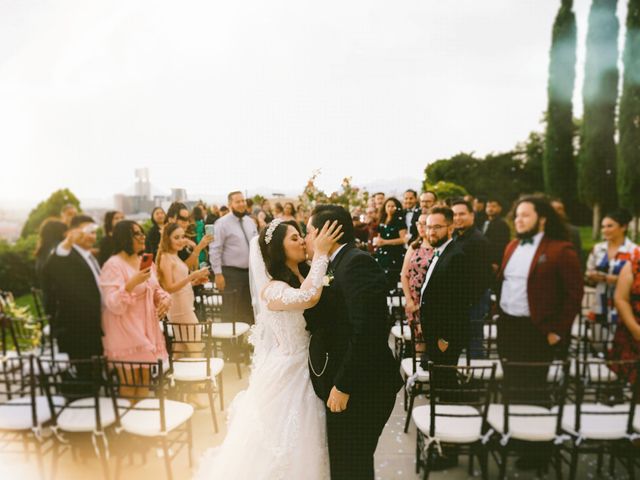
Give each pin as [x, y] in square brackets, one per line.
[270, 229]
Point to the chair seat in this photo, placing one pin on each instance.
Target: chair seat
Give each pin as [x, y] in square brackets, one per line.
[404, 332]
[225, 329]
[578, 329]
[407, 369]
[482, 362]
[195, 369]
[396, 302]
[490, 332]
[146, 423]
[530, 429]
[16, 413]
[611, 424]
[84, 419]
[450, 429]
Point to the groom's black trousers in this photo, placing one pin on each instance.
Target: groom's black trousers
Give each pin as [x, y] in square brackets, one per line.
[353, 434]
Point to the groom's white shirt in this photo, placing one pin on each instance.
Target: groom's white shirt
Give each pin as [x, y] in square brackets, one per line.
[335, 254]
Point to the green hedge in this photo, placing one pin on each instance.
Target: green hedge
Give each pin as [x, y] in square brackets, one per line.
[17, 265]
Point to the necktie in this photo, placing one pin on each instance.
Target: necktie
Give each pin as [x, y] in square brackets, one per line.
[525, 241]
[242, 228]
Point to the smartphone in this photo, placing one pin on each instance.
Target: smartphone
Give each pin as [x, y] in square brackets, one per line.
[147, 260]
[208, 229]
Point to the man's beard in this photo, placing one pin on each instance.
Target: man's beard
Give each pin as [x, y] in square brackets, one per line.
[440, 242]
[239, 214]
[529, 233]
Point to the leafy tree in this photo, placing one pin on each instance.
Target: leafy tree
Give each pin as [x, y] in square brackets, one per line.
[559, 163]
[17, 265]
[446, 190]
[629, 126]
[48, 208]
[597, 160]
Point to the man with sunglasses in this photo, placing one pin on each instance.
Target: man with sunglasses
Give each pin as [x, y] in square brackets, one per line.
[72, 293]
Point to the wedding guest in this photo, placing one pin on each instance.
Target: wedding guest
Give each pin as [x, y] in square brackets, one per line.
[626, 343]
[175, 278]
[266, 215]
[229, 255]
[605, 263]
[302, 217]
[497, 232]
[198, 215]
[476, 250]
[158, 220]
[479, 207]
[414, 270]
[389, 244]
[71, 292]
[213, 215]
[378, 200]
[427, 201]
[278, 210]
[105, 246]
[288, 212]
[224, 210]
[411, 213]
[574, 232]
[190, 254]
[250, 207]
[540, 294]
[67, 213]
[133, 304]
[51, 233]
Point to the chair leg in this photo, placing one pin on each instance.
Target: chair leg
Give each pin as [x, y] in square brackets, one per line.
[104, 459]
[503, 463]
[39, 458]
[612, 464]
[221, 388]
[574, 463]
[470, 470]
[406, 396]
[483, 459]
[213, 409]
[557, 462]
[167, 459]
[427, 469]
[600, 461]
[418, 456]
[238, 368]
[190, 443]
[412, 397]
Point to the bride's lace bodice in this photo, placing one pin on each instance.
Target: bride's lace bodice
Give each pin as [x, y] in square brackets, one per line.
[284, 315]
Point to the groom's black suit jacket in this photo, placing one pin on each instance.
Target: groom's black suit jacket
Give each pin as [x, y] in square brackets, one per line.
[350, 330]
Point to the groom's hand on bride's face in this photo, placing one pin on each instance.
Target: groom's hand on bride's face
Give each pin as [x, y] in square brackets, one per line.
[337, 401]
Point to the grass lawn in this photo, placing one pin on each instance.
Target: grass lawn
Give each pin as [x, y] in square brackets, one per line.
[26, 300]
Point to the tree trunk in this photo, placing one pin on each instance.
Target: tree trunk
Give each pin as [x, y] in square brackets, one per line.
[595, 233]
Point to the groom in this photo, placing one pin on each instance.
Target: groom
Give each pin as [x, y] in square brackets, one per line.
[350, 363]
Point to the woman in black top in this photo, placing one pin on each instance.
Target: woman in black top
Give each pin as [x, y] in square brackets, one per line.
[158, 219]
[52, 232]
[389, 244]
[105, 247]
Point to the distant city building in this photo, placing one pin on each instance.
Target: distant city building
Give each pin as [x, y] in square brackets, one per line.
[145, 197]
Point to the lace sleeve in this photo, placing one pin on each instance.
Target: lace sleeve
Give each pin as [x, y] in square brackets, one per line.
[280, 296]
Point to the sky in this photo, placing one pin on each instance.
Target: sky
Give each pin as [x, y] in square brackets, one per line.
[215, 96]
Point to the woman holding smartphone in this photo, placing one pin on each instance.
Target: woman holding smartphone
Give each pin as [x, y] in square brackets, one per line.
[175, 277]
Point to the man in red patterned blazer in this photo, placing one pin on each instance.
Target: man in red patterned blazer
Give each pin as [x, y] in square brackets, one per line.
[540, 287]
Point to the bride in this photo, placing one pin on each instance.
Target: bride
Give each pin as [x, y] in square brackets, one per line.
[276, 427]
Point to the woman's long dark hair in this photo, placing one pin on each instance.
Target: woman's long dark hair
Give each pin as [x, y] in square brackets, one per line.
[51, 233]
[274, 255]
[383, 210]
[108, 222]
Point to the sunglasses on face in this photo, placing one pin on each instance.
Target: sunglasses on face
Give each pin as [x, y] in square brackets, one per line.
[184, 219]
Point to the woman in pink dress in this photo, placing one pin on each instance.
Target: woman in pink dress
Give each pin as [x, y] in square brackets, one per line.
[175, 278]
[414, 270]
[132, 301]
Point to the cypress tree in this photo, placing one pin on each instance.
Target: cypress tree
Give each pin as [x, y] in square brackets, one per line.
[597, 160]
[559, 167]
[629, 122]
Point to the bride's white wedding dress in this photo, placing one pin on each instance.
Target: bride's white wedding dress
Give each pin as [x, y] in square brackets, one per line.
[276, 427]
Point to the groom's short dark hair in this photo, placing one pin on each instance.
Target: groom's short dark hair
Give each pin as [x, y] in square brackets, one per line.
[323, 213]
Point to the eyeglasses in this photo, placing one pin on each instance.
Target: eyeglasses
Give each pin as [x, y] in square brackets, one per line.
[139, 234]
[422, 224]
[435, 227]
[184, 219]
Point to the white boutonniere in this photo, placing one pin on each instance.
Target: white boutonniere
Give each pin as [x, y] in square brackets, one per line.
[327, 279]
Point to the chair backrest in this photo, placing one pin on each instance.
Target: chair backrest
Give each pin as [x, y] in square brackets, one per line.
[18, 384]
[134, 381]
[195, 337]
[460, 385]
[74, 380]
[606, 382]
[395, 303]
[516, 389]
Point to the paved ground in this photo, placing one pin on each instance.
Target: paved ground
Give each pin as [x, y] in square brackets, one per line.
[394, 458]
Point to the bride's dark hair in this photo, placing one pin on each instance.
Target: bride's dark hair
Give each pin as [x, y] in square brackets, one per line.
[274, 255]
